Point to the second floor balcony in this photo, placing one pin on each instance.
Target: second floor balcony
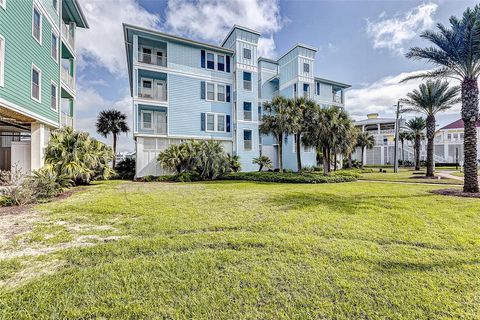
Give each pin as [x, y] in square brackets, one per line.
[152, 86]
[152, 52]
[68, 33]
[151, 120]
[68, 79]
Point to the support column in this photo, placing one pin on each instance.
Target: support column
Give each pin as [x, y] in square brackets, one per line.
[37, 145]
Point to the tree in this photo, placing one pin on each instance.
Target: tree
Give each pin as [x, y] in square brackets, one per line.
[456, 53]
[300, 124]
[112, 122]
[262, 161]
[278, 120]
[344, 136]
[429, 99]
[404, 136]
[417, 126]
[365, 140]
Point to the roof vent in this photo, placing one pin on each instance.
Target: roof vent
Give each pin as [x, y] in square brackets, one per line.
[372, 115]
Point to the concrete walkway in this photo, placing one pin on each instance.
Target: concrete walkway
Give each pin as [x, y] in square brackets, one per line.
[449, 175]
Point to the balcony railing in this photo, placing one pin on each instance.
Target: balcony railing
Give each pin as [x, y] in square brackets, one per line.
[153, 128]
[337, 99]
[66, 120]
[68, 79]
[152, 95]
[68, 34]
[152, 59]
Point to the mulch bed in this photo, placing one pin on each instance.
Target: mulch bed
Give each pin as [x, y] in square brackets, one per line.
[456, 193]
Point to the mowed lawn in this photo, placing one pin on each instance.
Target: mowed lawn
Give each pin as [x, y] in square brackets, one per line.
[408, 175]
[237, 250]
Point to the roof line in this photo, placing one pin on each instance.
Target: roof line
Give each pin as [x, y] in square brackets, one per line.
[236, 26]
[177, 38]
[268, 60]
[82, 16]
[298, 45]
[340, 84]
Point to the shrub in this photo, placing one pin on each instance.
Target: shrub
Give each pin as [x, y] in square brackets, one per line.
[125, 169]
[287, 177]
[5, 178]
[263, 162]
[78, 156]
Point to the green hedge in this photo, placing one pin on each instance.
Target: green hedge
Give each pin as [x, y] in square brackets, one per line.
[287, 177]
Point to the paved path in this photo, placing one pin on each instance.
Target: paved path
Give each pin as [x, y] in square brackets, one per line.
[449, 175]
[417, 183]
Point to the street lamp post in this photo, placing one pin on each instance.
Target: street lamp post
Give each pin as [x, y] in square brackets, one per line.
[397, 129]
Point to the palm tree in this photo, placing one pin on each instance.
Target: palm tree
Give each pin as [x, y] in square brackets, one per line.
[301, 121]
[262, 161]
[173, 158]
[365, 141]
[404, 136]
[112, 122]
[430, 98]
[278, 120]
[417, 126]
[456, 52]
[345, 136]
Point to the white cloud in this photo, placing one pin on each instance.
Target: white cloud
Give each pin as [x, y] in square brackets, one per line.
[381, 96]
[103, 44]
[210, 20]
[392, 33]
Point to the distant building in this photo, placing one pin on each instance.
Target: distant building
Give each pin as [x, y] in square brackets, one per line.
[449, 141]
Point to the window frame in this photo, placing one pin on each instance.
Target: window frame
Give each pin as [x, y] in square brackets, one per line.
[206, 91]
[53, 84]
[307, 65]
[245, 50]
[54, 34]
[224, 62]
[34, 67]
[2, 61]
[218, 122]
[142, 122]
[206, 60]
[249, 81]
[215, 122]
[35, 8]
[251, 137]
[224, 92]
[251, 111]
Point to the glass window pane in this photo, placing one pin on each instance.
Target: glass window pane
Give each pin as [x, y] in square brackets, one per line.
[247, 76]
[247, 53]
[54, 46]
[221, 63]
[210, 91]
[210, 61]
[221, 123]
[221, 93]
[210, 122]
[36, 24]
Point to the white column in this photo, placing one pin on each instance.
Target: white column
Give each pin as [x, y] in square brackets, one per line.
[135, 48]
[38, 143]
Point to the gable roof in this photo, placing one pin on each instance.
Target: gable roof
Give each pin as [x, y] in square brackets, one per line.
[457, 125]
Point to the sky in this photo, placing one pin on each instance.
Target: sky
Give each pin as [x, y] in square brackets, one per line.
[361, 43]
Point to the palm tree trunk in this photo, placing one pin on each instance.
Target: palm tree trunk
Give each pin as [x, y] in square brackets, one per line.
[299, 156]
[430, 146]
[350, 160]
[114, 149]
[417, 153]
[403, 155]
[280, 148]
[363, 151]
[334, 161]
[325, 161]
[470, 117]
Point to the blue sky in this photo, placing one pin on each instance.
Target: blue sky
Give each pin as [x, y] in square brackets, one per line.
[359, 42]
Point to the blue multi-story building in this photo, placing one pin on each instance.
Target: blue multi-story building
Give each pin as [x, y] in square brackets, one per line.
[184, 89]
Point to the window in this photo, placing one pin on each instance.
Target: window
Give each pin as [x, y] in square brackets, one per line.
[53, 96]
[54, 47]
[294, 90]
[306, 68]
[461, 136]
[247, 140]
[2, 60]
[37, 25]
[221, 92]
[306, 89]
[36, 83]
[247, 111]
[210, 91]
[259, 112]
[247, 81]
[317, 89]
[449, 136]
[221, 123]
[54, 4]
[210, 61]
[147, 119]
[220, 63]
[210, 122]
[247, 53]
[307, 149]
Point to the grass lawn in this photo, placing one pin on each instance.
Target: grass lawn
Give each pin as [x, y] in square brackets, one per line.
[244, 250]
[406, 175]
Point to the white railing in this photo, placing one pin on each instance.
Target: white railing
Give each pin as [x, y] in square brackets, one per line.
[387, 131]
[153, 128]
[66, 120]
[152, 59]
[152, 95]
[68, 34]
[68, 79]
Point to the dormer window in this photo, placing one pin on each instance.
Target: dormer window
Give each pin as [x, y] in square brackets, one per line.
[247, 53]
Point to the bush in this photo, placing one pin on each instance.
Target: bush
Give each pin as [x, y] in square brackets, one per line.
[125, 169]
[288, 177]
[263, 162]
[5, 178]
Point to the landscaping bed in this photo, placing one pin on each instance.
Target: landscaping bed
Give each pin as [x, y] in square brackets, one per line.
[291, 177]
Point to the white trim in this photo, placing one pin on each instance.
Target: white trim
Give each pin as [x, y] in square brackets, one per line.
[36, 7]
[3, 4]
[57, 95]
[142, 112]
[215, 122]
[148, 67]
[39, 100]
[214, 60]
[54, 33]
[178, 136]
[245, 41]
[214, 91]
[224, 92]
[150, 102]
[224, 63]
[2, 62]
[27, 113]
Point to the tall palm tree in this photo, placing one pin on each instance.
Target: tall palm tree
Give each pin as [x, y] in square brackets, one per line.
[278, 120]
[405, 136]
[365, 141]
[456, 53]
[429, 99]
[112, 122]
[417, 126]
[299, 126]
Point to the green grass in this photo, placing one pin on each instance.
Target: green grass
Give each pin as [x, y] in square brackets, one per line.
[244, 250]
[405, 175]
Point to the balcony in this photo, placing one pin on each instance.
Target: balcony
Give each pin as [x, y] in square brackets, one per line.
[158, 92]
[152, 85]
[68, 34]
[151, 120]
[66, 120]
[68, 79]
[158, 59]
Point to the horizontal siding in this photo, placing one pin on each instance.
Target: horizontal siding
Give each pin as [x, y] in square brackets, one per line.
[21, 50]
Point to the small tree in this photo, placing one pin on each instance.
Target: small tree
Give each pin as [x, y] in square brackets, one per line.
[262, 161]
[112, 122]
[417, 126]
[365, 141]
